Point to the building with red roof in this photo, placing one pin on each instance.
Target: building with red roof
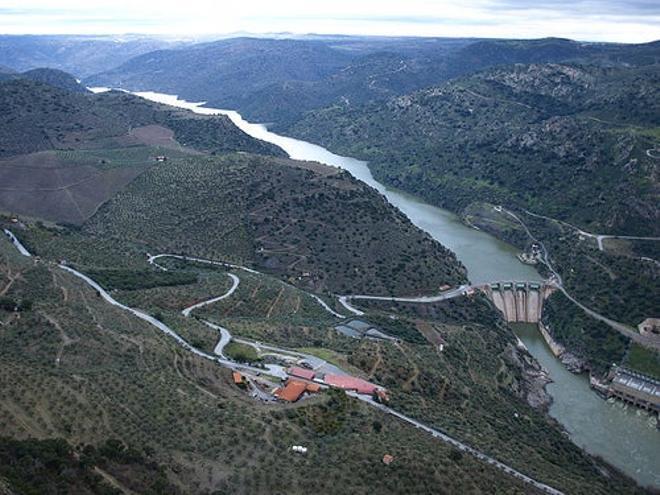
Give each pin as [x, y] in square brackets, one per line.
[313, 388]
[347, 382]
[301, 373]
[292, 391]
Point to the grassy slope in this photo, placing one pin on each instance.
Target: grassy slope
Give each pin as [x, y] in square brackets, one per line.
[118, 377]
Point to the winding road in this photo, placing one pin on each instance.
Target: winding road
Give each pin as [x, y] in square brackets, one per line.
[232, 289]
[17, 244]
[223, 361]
[599, 237]
[152, 261]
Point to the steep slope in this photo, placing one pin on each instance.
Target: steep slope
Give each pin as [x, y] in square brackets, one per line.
[56, 78]
[566, 140]
[313, 225]
[78, 368]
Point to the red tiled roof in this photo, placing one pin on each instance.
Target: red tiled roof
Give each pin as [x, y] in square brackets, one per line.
[292, 391]
[238, 378]
[302, 373]
[351, 383]
[313, 387]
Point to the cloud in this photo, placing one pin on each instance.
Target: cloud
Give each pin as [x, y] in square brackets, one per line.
[597, 20]
[623, 8]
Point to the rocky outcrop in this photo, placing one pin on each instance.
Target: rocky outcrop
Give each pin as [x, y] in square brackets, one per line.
[534, 377]
[573, 363]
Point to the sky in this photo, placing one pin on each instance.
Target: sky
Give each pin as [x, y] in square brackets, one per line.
[629, 21]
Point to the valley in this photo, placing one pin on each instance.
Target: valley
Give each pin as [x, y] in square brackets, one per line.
[480, 261]
[192, 302]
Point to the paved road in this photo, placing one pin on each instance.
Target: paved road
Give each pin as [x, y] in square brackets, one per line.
[256, 371]
[622, 328]
[459, 445]
[232, 289]
[449, 294]
[225, 338]
[325, 306]
[318, 364]
[17, 243]
[599, 237]
[159, 325]
[152, 260]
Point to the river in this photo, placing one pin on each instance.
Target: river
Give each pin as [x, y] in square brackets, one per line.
[624, 436]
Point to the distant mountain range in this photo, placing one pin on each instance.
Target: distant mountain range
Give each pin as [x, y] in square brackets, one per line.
[278, 80]
[78, 55]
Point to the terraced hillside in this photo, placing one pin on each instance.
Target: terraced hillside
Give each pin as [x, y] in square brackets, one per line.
[91, 372]
[312, 225]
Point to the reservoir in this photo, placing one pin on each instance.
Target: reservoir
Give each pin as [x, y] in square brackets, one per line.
[624, 436]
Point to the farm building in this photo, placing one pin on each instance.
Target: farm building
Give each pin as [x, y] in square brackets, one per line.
[346, 382]
[301, 373]
[238, 378]
[313, 388]
[292, 391]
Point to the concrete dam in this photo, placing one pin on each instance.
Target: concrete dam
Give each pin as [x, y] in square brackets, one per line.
[519, 302]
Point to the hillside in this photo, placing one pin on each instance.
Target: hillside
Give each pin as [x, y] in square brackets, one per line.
[43, 117]
[492, 136]
[56, 78]
[78, 55]
[78, 368]
[52, 77]
[313, 225]
[64, 153]
[91, 374]
[277, 80]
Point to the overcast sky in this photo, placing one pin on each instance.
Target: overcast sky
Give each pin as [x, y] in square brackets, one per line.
[597, 20]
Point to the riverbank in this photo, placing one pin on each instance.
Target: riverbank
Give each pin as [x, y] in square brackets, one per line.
[568, 359]
[620, 433]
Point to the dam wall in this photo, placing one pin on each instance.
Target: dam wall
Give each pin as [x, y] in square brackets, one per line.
[519, 302]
